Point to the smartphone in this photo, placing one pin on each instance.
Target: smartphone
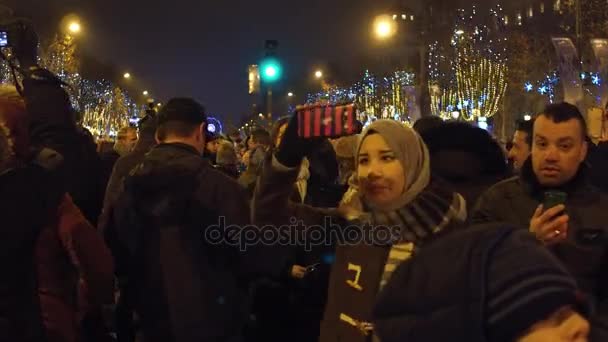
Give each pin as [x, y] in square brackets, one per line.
[3, 39]
[554, 198]
[327, 121]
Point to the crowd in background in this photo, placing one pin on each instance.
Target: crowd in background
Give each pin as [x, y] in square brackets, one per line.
[142, 239]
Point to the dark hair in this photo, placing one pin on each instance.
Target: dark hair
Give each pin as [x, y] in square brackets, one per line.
[277, 126]
[262, 137]
[424, 124]
[179, 129]
[562, 112]
[526, 126]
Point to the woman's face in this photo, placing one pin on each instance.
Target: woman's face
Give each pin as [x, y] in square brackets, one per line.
[381, 175]
[565, 325]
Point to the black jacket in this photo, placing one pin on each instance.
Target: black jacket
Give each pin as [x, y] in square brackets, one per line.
[188, 287]
[120, 171]
[53, 126]
[598, 161]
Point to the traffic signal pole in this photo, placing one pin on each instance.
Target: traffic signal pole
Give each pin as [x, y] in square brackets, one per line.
[269, 103]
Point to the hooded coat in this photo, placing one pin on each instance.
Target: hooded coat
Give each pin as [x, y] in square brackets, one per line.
[161, 245]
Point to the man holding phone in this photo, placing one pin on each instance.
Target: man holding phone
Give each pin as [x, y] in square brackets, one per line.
[553, 198]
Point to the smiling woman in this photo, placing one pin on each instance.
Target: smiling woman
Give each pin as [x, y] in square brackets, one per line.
[391, 210]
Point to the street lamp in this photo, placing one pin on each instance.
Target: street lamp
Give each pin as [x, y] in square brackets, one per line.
[384, 27]
[290, 94]
[126, 75]
[74, 27]
[318, 74]
[145, 93]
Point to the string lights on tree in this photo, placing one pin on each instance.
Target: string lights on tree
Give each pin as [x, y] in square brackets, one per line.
[468, 77]
[385, 97]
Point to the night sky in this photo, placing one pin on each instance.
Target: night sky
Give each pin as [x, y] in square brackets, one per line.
[202, 48]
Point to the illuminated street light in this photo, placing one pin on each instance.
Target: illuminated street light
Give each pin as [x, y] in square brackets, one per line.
[126, 75]
[459, 32]
[74, 27]
[145, 93]
[159, 104]
[384, 27]
[527, 117]
[290, 94]
[318, 74]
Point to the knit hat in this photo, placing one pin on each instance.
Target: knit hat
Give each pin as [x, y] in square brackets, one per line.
[410, 150]
[526, 284]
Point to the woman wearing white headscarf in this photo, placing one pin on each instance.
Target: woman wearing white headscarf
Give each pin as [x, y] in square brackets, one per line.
[392, 209]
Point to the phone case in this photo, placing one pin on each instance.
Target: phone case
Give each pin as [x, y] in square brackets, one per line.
[328, 121]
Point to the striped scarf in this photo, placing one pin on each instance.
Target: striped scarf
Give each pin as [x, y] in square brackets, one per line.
[422, 219]
[428, 214]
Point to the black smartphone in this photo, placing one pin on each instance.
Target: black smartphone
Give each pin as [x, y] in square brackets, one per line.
[554, 198]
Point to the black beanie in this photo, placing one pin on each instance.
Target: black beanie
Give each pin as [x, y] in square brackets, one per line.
[526, 284]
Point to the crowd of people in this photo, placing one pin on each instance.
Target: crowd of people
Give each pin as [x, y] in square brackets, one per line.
[434, 232]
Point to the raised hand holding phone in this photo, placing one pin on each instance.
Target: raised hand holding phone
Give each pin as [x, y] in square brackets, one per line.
[550, 222]
[304, 132]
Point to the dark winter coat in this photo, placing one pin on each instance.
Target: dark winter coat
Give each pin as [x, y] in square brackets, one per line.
[176, 191]
[598, 162]
[585, 252]
[122, 168]
[54, 126]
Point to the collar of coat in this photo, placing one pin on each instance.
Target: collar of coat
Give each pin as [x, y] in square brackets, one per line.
[576, 187]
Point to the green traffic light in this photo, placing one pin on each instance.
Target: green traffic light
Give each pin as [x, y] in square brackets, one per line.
[271, 70]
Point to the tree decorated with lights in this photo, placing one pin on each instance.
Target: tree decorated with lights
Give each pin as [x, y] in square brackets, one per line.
[60, 57]
[387, 97]
[480, 65]
[468, 76]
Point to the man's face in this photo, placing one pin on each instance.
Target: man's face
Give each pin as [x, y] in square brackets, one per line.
[520, 151]
[125, 142]
[558, 149]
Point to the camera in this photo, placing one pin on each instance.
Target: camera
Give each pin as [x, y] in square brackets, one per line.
[19, 35]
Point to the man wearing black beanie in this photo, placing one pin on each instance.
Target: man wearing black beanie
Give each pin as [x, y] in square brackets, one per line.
[493, 283]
